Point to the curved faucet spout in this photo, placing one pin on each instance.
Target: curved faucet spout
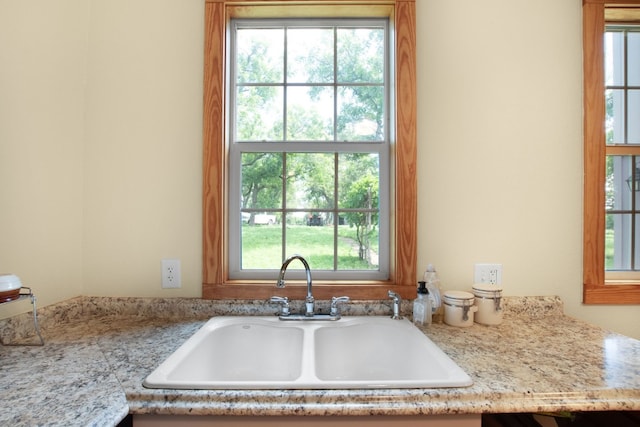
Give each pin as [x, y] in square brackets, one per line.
[309, 301]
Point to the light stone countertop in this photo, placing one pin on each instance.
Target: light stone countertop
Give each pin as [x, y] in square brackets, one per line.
[99, 350]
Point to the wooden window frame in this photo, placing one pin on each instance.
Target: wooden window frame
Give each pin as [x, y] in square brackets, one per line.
[597, 288]
[403, 272]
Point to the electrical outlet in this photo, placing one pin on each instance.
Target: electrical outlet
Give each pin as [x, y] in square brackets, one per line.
[171, 273]
[488, 273]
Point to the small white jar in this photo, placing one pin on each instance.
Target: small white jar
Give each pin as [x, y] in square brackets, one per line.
[488, 299]
[458, 308]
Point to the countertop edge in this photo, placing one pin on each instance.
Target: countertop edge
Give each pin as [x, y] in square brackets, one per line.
[428, 406]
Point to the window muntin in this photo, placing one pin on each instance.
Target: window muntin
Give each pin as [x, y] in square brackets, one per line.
[310, 147]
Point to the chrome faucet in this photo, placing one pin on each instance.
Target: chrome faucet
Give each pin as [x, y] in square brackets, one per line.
[335, 310]
[309, 300]
[396, 305]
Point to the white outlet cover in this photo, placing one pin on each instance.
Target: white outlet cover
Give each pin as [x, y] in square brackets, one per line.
[171, 275]
[488, 273]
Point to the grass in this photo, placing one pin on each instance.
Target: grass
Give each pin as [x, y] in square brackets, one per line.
[608, 249]
[261, 247]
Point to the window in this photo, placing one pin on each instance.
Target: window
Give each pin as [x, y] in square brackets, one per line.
[348, 142]
[309, 147]
[622, 129]
[612, 153]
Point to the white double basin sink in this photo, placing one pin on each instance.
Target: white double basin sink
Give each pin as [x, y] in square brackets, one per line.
[268, 353]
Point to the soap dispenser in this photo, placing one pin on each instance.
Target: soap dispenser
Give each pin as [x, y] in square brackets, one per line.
[434, 289]
[422, 306]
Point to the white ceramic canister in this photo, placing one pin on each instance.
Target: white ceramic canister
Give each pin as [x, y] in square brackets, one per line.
[458, 308]
[9, 287]
[488, 299]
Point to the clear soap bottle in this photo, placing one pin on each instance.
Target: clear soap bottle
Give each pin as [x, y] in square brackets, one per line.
[422, 306]
[434, 289]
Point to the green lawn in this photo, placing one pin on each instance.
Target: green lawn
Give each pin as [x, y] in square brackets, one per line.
[261, 247]
[608, 249]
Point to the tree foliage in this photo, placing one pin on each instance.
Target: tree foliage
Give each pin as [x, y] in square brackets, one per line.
[363, 194]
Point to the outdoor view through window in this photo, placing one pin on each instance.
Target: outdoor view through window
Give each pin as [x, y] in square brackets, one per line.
[622, 94]
[309, 149]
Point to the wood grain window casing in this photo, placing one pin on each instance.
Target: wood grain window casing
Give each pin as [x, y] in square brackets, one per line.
[403, 272]
[597, 288]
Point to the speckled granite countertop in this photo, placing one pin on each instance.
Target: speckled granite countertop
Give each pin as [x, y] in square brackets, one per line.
[98, 351]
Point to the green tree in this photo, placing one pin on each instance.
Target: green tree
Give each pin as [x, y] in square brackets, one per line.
[261, 181]
[363, 194]
[314, 177]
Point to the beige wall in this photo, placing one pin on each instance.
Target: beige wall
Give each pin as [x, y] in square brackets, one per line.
[500, 148]
[143, 152]
[101, 148]
[42, 84]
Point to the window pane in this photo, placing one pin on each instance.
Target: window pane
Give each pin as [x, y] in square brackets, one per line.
[261, 180]
[310, 181]
[313, 243]
[615, 116]
[359, 190]
[633, 52]
[618, 242]
[359, 185]
[310, 55]
[259, 113]
[633, 117]
[361, 55]
[260, 55]
[361, 113]
[359, 243]
[310, 113]
[614, 58]
[619, 183]
[261, 247]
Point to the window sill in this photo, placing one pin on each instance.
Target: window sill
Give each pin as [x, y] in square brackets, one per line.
[614, 292]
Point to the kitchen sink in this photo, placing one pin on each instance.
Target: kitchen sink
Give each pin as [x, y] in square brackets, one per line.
[239, 352]
[267, 353]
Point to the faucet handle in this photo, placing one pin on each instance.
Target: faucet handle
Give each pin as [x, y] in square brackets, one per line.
[334, 305]
[395, 296]
[284, 311]
[396, 304]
